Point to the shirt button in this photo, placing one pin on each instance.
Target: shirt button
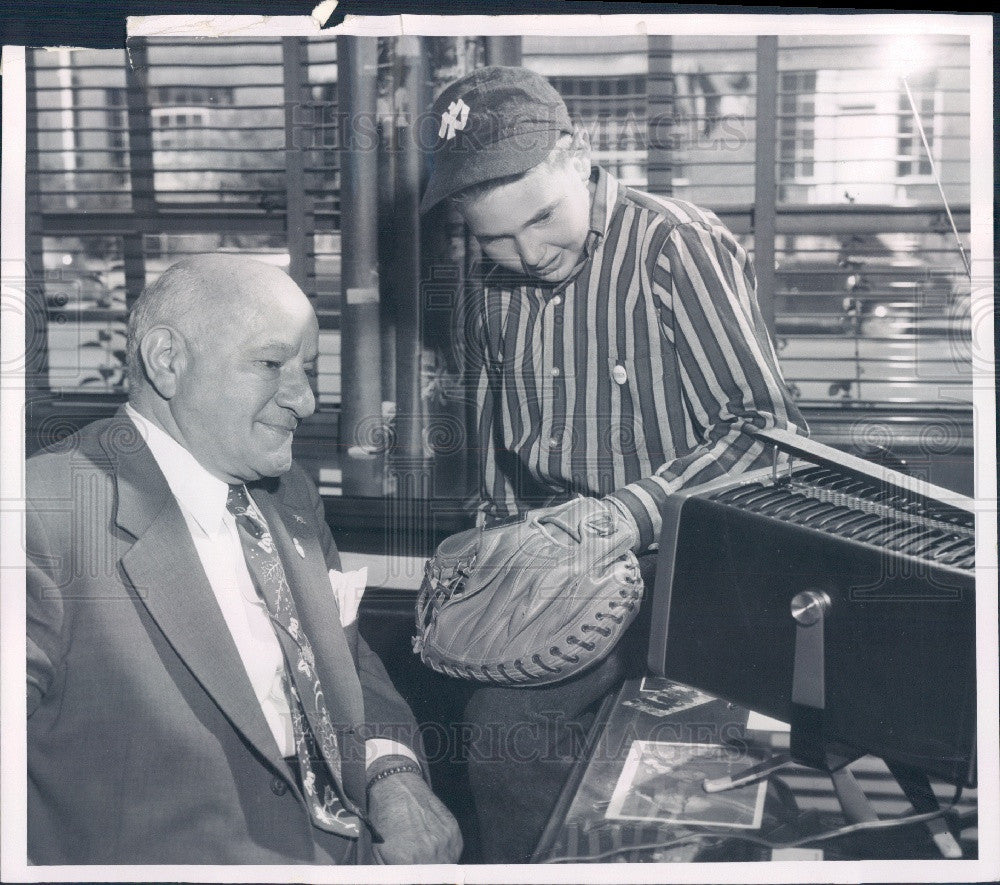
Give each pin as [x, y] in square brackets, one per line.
[620, 374]
[556, 372]
[278, 786]
[554, 441]
[557, 300]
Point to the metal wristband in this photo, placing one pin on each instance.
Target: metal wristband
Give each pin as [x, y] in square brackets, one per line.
[395, 769]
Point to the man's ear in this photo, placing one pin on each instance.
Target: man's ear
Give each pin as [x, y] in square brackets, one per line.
[164, 354]
[579, 152]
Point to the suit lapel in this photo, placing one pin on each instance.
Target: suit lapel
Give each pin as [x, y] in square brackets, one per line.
[166, 571]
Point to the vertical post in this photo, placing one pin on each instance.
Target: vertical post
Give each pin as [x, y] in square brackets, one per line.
[503, 50]
[298, 214]
[386, 233]
[412, 90]
[450, 260]
[409, 473]
[388, 315]
[36, 314]
[140, 160]
[68, 124]
[765, 184]
[660, 114]
[361, 395]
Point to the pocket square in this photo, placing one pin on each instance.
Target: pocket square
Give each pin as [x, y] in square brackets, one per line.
[348, 588]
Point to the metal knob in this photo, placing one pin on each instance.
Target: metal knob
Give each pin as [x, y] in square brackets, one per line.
[809, 606]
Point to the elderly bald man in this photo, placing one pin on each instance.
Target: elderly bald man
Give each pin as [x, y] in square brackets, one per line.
[194, 695]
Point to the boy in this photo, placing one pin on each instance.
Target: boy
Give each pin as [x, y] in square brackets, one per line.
[619, 352]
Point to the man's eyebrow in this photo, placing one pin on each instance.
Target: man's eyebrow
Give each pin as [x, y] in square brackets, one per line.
[272, 350]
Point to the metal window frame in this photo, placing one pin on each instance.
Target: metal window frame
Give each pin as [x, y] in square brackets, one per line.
[148, 216]
[763, 218]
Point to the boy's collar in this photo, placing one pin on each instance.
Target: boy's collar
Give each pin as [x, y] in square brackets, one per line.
[605, 195]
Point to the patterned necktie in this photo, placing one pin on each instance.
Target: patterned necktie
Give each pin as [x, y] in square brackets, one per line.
[311, 725]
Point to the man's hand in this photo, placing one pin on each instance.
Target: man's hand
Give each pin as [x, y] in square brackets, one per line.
[416, 826]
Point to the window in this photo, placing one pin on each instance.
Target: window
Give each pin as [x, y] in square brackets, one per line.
[864, 293]
[613, 111]
[183, 96]
[116, 123]
[796, 125]
[216, 123]
[912, 159]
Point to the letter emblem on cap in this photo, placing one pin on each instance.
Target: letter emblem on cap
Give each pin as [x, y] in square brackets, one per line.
[454, 118]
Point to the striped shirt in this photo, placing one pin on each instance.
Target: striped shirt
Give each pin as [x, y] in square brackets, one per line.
[633, 377]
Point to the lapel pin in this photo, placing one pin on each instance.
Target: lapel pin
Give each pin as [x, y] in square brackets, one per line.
[298, 547]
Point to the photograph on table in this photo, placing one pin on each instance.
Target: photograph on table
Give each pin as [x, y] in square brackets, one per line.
[664, 781]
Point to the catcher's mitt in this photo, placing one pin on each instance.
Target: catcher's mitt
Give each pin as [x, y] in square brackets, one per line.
[533, 602]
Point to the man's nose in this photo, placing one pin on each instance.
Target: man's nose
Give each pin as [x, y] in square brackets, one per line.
[296, 394]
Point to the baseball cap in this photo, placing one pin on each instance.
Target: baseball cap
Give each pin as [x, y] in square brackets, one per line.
[494, 122]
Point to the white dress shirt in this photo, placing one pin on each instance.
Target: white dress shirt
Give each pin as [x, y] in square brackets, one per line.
[202, 501]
